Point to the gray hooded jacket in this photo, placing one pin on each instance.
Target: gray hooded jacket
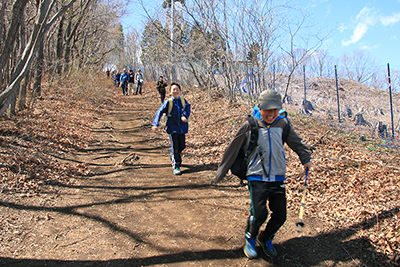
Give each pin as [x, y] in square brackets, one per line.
[269, 151]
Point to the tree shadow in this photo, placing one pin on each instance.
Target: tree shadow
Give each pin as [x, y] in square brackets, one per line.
[149, 261]
[329, 249]
[199, 168]
[334, 248]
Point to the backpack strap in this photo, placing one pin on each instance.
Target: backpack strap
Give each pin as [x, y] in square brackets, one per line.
[286, 131]
[170, 104]
[253, 135]
[252, 144]
[165, 117]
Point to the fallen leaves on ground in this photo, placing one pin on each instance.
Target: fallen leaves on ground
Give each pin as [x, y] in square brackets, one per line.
[350, 187]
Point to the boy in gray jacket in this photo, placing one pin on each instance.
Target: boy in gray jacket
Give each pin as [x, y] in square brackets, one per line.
[266, 171]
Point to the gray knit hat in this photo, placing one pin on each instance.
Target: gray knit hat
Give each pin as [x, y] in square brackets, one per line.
[270, 99]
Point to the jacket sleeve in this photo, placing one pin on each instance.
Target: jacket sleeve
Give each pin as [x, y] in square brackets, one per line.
[162, 109]
[186, 112]
[296, 143]
[231, 152]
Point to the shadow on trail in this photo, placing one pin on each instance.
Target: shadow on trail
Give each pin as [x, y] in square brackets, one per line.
[326, 249]
[162, 259]
[141, 188]
[329, 249]
[199, 168]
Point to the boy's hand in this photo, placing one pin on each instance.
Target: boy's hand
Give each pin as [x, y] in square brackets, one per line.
[154, 128]
[308, 166]
[184, 119]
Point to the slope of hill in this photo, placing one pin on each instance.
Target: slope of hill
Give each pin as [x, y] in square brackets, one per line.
[355, 99]
[354, 182]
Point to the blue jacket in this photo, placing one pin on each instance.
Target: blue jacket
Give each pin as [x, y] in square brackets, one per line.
[174, 123]
[257, 114]
[124, 77]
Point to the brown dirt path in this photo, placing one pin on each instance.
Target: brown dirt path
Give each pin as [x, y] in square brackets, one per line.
[139, 214]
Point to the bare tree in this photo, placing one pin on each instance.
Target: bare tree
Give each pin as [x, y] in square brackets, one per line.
[320, 63]
[7, 47]
[42, 24]
[82, 38]
[359, 66]
[132, 49]
[155, 47]
[223, 42]
[299, 48]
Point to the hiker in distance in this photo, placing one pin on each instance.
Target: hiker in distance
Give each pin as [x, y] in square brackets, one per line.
[265, 171]
[161, 84]
[139, 82]
[131, 81]
[177, 112]
[124, 82]
[117, 78]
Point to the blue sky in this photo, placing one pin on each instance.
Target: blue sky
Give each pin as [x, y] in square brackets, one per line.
[371, 26]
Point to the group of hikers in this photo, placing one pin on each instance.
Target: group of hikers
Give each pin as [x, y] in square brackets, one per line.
[266, 168]
[126, 81]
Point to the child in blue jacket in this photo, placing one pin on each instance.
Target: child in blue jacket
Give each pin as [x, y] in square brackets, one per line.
[176, 126]
[124, 82]
[117, 78]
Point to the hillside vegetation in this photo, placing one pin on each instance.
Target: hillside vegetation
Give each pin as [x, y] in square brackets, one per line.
[354, 181]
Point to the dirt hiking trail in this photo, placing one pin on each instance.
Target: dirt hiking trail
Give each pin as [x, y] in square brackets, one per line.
[137, 213]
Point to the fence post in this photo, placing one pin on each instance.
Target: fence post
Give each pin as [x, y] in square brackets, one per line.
[391, 100]
[305, 86]
[337, 94]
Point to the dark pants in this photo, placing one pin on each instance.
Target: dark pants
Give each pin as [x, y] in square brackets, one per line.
[162, 96]
[260, 192]
[177, 146]
[138, 88]
[124, 87]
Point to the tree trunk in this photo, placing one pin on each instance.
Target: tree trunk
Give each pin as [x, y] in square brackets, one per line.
[22, 91]
[40, 28]
[67, 51]
[59, 49]
[39, 69]
[16, 20]
[2, 21]
[11, 106]
[22, 95]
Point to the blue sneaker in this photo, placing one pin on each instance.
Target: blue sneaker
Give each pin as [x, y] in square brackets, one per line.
[250, 248]
[177, 171]
[267, 247]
